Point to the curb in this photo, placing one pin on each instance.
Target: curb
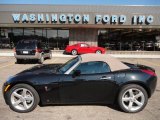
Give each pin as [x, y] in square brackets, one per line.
[115, 55]
[134, 56]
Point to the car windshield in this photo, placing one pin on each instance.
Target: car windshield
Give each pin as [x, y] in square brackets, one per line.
[68, 65]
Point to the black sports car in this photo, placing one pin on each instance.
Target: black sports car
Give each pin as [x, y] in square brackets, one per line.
[85, 79]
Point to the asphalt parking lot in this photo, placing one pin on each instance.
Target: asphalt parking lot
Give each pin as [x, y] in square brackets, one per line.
[76, 112]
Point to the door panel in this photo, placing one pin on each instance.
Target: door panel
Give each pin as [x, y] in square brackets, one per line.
[84, 48]
[91, 88]
[48, 86]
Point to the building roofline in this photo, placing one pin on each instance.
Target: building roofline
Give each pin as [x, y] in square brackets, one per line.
[84, 5]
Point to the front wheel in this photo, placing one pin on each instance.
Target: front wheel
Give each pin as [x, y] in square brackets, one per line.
[23, 98]
[132, 98]
[74, 52]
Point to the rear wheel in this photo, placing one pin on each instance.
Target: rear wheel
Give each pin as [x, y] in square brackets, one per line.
[23, 98]
[98, 52]
[50, 55]
[18, 61]
[74, 52]
[132, 98]
[41, 60]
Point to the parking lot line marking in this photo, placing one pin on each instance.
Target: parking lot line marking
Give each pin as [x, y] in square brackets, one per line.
[6, 65]
[155, 64]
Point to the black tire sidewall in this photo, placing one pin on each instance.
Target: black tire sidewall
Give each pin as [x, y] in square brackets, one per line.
[19, 61]
[123, 90]
[32, 90]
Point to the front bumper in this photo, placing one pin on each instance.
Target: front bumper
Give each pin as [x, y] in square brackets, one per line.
[5, 94]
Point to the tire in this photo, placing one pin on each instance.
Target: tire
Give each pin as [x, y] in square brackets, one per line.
[23, 92]
[98, 52]
[74, 52]
[41, 60]
[128, 98]
[50, 55]
[18, 61]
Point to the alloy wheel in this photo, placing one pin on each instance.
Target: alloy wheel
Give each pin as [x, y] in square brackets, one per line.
[41, 60]
[98, 52]
[50, 56]
[133, 99]
[74, 52]
[22, 99]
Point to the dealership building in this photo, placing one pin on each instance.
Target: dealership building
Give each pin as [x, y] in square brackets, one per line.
[125, 28]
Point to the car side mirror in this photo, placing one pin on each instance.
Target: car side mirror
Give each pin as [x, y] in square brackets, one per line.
[76, 73]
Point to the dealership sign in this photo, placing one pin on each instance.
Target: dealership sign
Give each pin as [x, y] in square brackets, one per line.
[78, 18]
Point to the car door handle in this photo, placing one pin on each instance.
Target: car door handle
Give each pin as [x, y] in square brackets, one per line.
[105, 77]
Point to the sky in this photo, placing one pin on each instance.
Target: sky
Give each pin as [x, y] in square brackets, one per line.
[84, 2]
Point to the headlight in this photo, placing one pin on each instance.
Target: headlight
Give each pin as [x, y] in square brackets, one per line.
[6, 88]
[7, 84]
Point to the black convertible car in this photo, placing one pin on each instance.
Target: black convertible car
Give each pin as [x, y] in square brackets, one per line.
[85, 79]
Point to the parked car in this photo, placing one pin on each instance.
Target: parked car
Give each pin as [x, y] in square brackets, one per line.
[157, 45]
[31, 49]
[5, 43]
[149, 46]
[85, 79]
[82, 48]
[137, 46]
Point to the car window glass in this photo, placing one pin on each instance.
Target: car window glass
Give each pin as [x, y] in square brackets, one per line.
[84, 45]
[93, 67]
[26, 44]
[68, 65]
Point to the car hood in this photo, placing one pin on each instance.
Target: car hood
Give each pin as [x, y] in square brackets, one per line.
[47, 68]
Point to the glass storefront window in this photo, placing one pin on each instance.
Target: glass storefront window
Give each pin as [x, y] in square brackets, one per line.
[16, 35]
[41, 34]
[5, 41]
[29, 33]
[52, 41]
[54, 38]
[63, 38]
[112, 39]
[58, 39]
[130, 39]
[17, 31]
